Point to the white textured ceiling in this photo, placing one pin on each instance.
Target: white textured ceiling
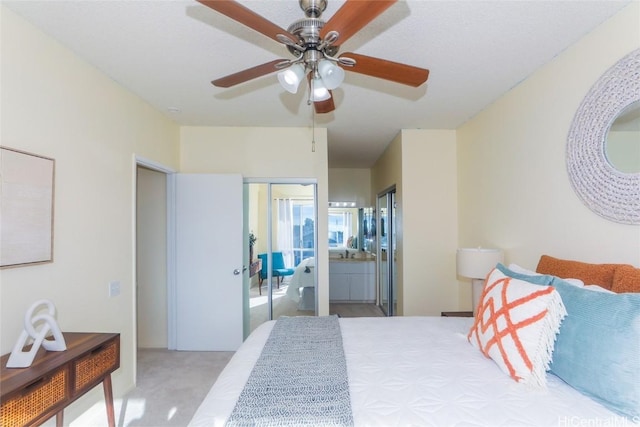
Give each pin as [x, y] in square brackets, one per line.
[168, 51]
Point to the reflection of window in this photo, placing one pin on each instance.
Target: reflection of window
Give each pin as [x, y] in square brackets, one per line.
[339, 228]
[303, 229]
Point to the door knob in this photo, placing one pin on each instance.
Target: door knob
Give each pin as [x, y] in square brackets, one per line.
[237, 271]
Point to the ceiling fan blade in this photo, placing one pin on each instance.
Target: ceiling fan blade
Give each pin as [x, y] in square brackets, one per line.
[325, 106]
[246, 16]
[248, 74]
[353, 16]
[388, 70]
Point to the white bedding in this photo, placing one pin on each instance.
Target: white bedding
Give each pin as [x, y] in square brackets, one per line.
[420, 371]
[303, 277]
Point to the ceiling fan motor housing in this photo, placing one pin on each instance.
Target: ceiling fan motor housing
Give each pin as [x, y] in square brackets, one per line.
[308, 31]
[313, 8]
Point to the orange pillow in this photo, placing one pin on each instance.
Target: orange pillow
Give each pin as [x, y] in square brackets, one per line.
[626, 279]
[590, 274]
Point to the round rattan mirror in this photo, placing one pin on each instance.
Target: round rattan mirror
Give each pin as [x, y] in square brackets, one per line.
[610, 193]
[623, 140]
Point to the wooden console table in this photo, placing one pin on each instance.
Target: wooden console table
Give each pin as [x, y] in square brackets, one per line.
[30, 396]
[255, 267]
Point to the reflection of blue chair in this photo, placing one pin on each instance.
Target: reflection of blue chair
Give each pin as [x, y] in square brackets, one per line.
[278, 270]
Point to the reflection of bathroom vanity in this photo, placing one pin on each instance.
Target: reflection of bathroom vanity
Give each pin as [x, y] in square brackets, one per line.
[352, 280]
[352, 266]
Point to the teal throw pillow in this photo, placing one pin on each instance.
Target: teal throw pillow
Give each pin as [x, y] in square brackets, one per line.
[597, 350]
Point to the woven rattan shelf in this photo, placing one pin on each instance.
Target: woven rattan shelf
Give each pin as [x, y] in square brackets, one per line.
[30, 396]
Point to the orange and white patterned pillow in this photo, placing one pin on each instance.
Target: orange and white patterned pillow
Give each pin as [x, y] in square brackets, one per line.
[516, 325]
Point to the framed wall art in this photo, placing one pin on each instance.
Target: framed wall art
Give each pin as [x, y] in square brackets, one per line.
[26, 208]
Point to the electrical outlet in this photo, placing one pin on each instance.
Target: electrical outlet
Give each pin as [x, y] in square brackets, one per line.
[114, 289]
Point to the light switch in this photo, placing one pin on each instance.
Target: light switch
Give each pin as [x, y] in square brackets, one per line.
[114, 289]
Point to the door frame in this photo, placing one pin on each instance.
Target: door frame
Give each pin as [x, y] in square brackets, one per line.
[171, 267]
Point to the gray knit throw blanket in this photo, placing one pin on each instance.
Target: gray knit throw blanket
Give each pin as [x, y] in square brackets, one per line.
[300, 379]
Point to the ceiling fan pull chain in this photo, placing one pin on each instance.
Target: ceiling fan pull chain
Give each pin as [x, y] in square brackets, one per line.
[313, 120]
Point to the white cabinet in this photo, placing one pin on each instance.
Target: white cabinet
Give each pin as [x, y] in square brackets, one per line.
[352, 281]
[339, 286]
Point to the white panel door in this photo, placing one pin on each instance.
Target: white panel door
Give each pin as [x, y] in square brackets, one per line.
[209, 270]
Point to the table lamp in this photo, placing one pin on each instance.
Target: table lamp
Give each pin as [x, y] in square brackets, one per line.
[476, 263]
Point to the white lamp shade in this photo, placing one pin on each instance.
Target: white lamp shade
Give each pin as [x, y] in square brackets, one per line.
[332, 75]
[291, 77]
[476, 263]
[319, 91]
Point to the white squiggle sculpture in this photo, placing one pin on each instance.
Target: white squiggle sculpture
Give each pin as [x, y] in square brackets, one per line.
[47, 323]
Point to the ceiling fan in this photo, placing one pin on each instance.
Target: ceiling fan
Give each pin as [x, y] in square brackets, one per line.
[314, 44]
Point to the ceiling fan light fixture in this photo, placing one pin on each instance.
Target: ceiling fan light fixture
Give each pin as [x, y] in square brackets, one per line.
[332, 75]
[291, 77]
[319, 91]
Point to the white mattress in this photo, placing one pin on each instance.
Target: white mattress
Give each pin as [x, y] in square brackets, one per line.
[420, 371]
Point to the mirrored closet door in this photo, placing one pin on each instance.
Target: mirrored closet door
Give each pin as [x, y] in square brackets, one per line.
[386, 252]
[280, 220]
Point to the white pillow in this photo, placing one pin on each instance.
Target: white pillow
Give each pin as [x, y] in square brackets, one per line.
[521, 270]
[516, 325]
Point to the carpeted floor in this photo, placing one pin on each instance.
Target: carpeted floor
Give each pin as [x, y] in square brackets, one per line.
[171, 385]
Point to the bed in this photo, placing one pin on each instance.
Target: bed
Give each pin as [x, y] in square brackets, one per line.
[301, 288]
[426, 371]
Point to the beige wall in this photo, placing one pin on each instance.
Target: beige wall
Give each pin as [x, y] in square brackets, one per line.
[429, 221]
[387, 171]
[270, 153]
[258, 211]
[254, 204]
[350, 185]
[56, 105]
[422, 166]
[514, 192]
